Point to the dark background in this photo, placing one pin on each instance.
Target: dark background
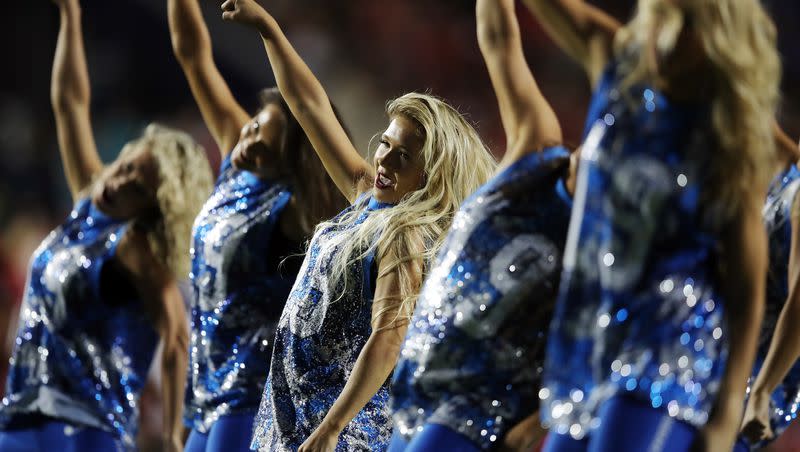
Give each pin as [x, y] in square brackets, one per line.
[364, 51]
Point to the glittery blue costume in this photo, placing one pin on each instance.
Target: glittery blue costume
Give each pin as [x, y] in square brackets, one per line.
[239, 292]
[84, 346]
[320, 335]
[639, 313]
[474, 350]
[777, 213]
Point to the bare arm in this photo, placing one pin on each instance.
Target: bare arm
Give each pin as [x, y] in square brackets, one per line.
[529, 121]
[745, 259]
[191, 44]
[583, 31]
[785, 146]
[308, 101]
[376, 360]
[164, 305]
[174, 332]
[784, 348]
[70, 96]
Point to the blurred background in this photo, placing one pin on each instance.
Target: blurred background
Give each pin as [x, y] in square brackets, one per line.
[364, 51]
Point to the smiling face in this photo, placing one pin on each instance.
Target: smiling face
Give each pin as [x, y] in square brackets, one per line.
[399, 164]
[128, 188]
[260, 142]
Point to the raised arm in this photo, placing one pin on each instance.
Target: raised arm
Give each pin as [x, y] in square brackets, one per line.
[529, 121]
[583, 31]
[784, 348]
[307, 100]
[191, 44]
[376, 360]
[745, 258]
[70, 96]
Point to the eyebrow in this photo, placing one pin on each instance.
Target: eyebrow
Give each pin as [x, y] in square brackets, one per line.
[400, 146]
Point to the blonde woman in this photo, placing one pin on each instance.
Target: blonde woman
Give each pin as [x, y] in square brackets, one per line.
[662, 294]
[470, 368]
[271, 192]
[102, 287]
[340, 333]
[774, 389]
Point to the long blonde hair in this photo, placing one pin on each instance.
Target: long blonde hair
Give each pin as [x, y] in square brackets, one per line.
[739, 41]
[456, 163]
[185, 182]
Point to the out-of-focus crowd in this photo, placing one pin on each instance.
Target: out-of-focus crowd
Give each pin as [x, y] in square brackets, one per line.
[364, 51]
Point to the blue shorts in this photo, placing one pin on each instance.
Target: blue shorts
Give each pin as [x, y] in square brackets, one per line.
[433, 437]
[230, 433]
[55, 435]
[628, 425]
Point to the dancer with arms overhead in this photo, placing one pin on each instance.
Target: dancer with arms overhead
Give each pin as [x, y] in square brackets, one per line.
[271, 192]
[342, 327]
[471, 363]
[102, 286]
[662, 294]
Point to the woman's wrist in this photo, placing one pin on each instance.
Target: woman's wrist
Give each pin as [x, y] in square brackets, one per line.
[266, 25]
[331, 425]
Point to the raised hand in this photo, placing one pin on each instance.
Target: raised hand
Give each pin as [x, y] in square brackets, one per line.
[246, 12]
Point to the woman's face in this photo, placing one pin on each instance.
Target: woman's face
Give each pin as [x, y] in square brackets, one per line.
[128, 188]
[399, 165]
[260, 142]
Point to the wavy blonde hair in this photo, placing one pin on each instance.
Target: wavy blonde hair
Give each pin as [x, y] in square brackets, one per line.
[185, 182]
[456, 163]
[739, 41]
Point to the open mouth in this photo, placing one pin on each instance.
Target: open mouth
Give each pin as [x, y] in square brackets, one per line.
[382, 182]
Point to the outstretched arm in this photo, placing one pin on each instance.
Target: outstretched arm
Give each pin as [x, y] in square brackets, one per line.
[784, 349]
[529, 121]
[191, 44]
[583, 31]
[308, 101]
[70, 96]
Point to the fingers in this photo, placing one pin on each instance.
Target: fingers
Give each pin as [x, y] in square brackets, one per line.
[228, 9]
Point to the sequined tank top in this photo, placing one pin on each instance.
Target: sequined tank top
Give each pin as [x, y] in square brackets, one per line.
[82, 350]
[639, 310]
[320, 335]
[239, 289]
[474, 351]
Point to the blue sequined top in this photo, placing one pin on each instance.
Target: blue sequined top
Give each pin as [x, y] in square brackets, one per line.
[782, 195]
[320, 335]
[83, 346]
[239, 291]
[639, 310]
[474, 351]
